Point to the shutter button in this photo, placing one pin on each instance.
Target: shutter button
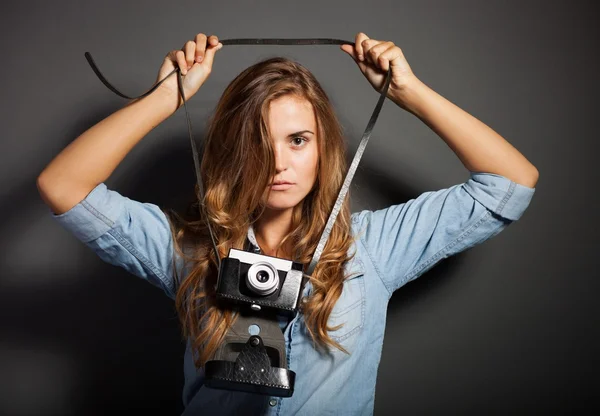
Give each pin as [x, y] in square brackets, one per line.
[272, 402]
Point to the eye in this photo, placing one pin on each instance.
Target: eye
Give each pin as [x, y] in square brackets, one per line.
[299, 141]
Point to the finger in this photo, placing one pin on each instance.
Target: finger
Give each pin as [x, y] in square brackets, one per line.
[386, 57]
[350, 50]
[366, 45]
[172, 58]
[200, 46]
[180, 59]
[190, 50]
[360, 37]
[210, 52]
[377, 48]
[213, 40]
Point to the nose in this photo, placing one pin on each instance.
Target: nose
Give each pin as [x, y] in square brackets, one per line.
[280, 157]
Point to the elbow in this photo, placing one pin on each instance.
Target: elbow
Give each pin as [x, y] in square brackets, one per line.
[536, 177]
[40, 183]
[44, 184]
[43, 190]
[531, 179]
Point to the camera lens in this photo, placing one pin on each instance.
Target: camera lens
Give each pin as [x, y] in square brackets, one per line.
[262, 278]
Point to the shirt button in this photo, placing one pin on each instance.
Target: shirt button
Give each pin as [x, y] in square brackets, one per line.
[272, 402]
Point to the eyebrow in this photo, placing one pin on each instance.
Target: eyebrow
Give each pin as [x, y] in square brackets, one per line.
[300, 132]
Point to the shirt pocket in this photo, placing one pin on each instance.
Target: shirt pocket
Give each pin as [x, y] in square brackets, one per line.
[349, 309]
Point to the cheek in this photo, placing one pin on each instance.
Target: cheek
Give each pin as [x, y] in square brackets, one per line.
[310, 164]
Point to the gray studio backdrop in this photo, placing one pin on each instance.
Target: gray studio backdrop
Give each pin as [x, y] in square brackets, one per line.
[508, 326]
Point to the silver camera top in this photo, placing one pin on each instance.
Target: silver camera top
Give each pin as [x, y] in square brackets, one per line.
[251, 258]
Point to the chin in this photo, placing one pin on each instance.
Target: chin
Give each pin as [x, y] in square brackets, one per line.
[281, 204]
[280, 207]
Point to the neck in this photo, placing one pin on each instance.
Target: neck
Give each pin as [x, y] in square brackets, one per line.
[270, 229]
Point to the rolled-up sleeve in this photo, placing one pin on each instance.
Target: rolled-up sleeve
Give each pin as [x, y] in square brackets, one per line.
[126, 233]
[404, 241]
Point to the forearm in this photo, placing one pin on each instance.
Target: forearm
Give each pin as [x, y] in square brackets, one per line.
[479, 148]
[94, 155]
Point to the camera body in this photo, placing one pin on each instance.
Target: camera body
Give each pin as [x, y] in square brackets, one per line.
[260, 282]
[252, 357]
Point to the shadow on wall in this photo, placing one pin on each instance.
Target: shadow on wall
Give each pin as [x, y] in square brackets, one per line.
[88, 338]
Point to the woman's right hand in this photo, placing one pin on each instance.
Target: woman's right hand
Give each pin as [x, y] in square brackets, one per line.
[195, 60]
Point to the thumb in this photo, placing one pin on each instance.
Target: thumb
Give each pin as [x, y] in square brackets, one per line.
[350, 51]
[209, 54]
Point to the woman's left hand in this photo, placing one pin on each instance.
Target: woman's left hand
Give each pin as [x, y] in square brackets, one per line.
[378, 57]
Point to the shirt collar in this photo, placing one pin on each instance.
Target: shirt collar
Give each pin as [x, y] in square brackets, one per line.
[251, 242]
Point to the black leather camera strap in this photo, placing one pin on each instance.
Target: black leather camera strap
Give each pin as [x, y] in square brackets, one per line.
[357, 156]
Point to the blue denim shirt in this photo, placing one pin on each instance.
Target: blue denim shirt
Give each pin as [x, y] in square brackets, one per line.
[395, 245]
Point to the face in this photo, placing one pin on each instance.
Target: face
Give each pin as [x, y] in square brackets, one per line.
[293, 129]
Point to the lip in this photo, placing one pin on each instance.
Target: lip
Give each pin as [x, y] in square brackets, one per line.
[281, 186]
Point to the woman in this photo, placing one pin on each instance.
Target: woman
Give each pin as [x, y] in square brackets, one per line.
[275, 124]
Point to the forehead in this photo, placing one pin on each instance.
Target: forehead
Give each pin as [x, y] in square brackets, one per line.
[289, 114]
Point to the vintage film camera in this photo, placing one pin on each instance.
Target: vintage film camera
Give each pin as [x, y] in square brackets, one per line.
[260, 281]
[252, 357]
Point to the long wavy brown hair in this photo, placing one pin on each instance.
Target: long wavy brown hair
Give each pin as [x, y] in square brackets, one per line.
[237, 165]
